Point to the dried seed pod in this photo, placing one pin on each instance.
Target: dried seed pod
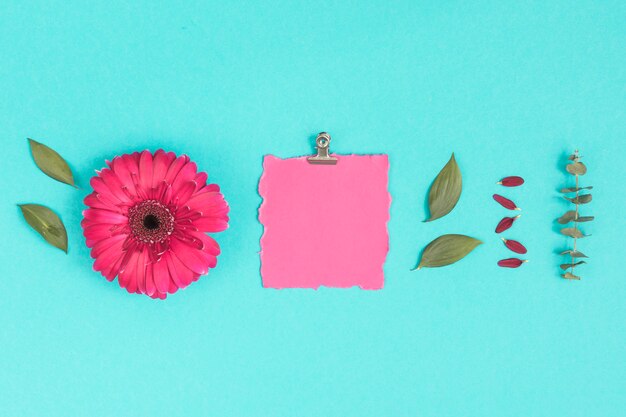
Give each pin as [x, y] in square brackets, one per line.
[514, 245]
[511, 262]
[506, 223]
[511, 181]
[505, 202]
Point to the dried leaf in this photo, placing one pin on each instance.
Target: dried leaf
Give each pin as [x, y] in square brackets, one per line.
[569, 275]
[565, 267]
[445, 191]
[577, 168]
[583, 219]
[581, 199]
[46, 223]
[574, 254]
[51, 163]
[574, 189]
[572, 232]
[446, 250]
[567, 217]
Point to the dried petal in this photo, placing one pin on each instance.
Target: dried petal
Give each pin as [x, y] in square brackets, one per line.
[577, 168]
[574, 265]
[574, 254]
[506, 223]
[572, 232]
[511, 181]
[514, 245]
[446, 250]
[581, 199]
[569, 275]
[511, 262]
[445, 191]
[505, 202]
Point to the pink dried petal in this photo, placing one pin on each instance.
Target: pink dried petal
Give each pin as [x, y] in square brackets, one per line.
[505, 202]
[514, 245]
[511, 262]
[506, 223]
[511, 181]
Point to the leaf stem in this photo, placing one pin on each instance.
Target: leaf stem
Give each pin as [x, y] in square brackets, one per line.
[575, 221]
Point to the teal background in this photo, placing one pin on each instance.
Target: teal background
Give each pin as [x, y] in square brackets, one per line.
[510, 87]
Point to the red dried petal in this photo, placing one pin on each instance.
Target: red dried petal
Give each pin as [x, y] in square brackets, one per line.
[506, 223]
[511, 262]
[505, 202]
[514, 245]
[511, 181]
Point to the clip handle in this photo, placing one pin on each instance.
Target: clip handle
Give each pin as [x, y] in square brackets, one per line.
[322, 143]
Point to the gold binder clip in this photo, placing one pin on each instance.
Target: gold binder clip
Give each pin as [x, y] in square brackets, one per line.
[323, 157]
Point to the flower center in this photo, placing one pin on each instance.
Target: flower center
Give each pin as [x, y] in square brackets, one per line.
[150, 221]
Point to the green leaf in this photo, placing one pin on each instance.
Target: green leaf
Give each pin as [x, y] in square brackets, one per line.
[568, 266]
[572, 232]
[446, 250]
[445, 191]
[51, 163]
[581, 199]
[574, 254]
[567, 217]
[574, 189]
[46, 223]
[577, 168]
[569, 275]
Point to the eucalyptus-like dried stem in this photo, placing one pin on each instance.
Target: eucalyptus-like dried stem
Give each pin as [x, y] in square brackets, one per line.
[575, 226]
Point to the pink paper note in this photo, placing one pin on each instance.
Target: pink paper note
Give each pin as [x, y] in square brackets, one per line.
[324, 224]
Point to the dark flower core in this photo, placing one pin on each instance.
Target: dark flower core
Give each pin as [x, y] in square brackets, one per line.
[150, 221]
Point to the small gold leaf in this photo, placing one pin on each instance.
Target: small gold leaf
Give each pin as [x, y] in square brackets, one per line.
[446, 250]
[583, 219]
[51, 163]
[577, 168]
[574, 189]
[574, 254]
[445, 191]
[565, 267]
[567, 217]
[569, 275]
[45, 222]
[572, 232]
[581, 199]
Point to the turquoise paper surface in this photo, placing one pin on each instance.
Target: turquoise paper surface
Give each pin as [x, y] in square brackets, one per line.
[510, 87]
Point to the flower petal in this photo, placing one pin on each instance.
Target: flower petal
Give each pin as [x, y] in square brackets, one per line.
[145, 172]
[211, 224]
[150, 287]
[192, 258]
[160, 164]
[181, 275]
[104, 216]
[161, 275]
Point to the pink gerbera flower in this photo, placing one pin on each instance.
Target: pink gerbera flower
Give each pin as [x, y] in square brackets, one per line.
[147, 219]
